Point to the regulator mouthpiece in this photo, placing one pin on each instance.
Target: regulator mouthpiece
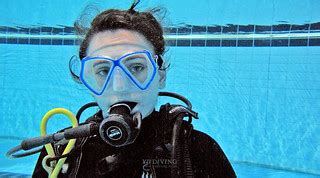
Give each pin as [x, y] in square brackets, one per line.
[120, 128]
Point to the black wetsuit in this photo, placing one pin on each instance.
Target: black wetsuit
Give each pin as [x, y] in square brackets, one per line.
[148, 155]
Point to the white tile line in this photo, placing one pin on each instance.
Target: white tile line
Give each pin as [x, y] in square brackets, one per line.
[183, 37]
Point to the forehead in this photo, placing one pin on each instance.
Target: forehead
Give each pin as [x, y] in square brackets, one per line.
[115, 43]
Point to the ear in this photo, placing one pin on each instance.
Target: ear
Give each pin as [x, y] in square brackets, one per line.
[162, 78]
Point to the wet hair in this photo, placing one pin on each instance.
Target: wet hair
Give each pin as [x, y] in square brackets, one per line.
[142, 22]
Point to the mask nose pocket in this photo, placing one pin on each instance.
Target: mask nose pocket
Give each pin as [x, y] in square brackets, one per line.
[119, 80]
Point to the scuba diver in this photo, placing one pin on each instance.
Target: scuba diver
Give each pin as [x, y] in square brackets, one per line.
[122, 67]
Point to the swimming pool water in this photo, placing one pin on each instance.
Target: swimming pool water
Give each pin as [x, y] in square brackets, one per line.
[258, 97]
[280, 140]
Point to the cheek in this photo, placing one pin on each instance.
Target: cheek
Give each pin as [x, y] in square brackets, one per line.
[154, 86]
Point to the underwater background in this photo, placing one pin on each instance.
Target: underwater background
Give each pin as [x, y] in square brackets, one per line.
[250, 68]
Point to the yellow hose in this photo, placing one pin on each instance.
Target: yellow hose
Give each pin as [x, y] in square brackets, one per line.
[43, 131]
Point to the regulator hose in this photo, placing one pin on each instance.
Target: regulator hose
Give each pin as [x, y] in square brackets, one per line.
[187, 164]
[177, 96]
[53, 172]
[84, 107]
[180, 151]
[175, 152]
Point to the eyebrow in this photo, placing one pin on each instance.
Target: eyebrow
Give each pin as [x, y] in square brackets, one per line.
[98, 63]
[131, 58]
[113, 45]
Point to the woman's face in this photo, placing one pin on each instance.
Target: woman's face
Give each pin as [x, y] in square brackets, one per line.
[114, 44]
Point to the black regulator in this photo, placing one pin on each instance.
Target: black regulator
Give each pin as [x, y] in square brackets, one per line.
[120, 128]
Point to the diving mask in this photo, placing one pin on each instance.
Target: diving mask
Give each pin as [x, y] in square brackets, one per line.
[139, 67]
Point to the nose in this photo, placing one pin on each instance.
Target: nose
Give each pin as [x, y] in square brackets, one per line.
[119, 81]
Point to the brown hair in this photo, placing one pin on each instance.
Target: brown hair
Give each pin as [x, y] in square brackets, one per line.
[142, 22]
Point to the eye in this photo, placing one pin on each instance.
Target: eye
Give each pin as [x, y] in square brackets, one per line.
[103, 71]
[137, 68]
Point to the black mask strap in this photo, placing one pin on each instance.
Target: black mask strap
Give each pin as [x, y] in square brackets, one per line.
[134, 4]
[74, 64]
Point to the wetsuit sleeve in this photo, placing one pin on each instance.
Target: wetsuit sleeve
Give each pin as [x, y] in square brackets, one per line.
[208, 158]
[38, 170]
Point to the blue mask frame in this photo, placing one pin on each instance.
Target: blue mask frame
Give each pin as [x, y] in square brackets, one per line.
[116, 62]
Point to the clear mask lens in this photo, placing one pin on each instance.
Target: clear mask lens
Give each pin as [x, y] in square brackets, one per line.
[96, 72]
[139, 67]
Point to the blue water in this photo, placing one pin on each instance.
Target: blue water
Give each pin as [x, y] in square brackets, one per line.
[261, 104]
